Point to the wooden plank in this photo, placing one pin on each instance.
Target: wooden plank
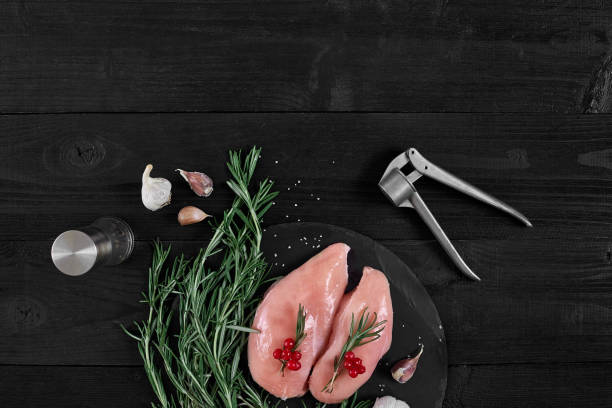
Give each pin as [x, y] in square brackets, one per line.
[539, 301]
[74, 387]
[62, 171]
[525, 385]
[522, 385]
[418, 56]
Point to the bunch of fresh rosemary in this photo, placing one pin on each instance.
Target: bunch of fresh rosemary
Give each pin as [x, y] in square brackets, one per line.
[215, 305]
[194, 335]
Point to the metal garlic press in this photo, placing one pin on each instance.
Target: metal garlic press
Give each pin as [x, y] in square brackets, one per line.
[399, 188]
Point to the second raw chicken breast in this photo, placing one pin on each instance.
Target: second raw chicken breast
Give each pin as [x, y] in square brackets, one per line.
[372, 294]
[317, 286]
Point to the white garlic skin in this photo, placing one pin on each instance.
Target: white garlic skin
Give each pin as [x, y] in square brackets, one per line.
[156, 192]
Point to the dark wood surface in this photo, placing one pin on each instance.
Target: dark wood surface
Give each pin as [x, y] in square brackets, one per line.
[494, 91]
[341, 55]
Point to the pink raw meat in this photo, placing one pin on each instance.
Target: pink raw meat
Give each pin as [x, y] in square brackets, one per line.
[373, 293]
[318, 285]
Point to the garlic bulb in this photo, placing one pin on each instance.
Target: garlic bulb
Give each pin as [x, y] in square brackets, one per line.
[155, 191]
[389, 402]
[191, 215]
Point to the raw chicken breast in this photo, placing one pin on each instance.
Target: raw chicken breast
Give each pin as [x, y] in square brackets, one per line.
[318, 285]
[373, 293]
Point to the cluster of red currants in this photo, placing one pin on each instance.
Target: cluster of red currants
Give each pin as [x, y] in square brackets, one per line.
[353, 364]
[289, 357]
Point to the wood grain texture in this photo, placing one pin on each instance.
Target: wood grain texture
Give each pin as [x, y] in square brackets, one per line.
[74, 387]
[482, 386]
[388, 55]
[530, 386]
[540, 301]
[61, 171]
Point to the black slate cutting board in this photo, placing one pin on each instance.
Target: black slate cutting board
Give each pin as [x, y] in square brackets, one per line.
[416, 319]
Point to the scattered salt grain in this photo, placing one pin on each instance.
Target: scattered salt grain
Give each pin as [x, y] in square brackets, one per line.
[318, 198]
[275, 161]
[288, 246]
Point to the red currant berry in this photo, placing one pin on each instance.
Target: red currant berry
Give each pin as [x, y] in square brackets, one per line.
[289, 343]
[356, 361]
[361, 369]
[278, 353]
[349, 355]
[296, 355]
[285, 355]
[353, 372]
[294, 365]
[347, 364]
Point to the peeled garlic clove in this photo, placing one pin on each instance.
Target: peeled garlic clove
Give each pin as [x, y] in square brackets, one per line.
[155, 191]
[191, 215]
[403, 370]
[389, 402]
[200, 183]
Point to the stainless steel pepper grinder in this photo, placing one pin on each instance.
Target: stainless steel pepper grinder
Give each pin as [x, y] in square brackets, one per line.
[106, 241]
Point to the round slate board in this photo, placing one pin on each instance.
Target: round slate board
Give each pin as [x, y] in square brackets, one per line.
[416, 320]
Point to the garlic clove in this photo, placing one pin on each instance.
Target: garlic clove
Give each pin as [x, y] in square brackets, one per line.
[156, 192]
[191, 215]
[404, 369]
[200, 183]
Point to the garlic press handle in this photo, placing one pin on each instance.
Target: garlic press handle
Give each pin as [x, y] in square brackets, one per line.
[421, 208]
[427, 168]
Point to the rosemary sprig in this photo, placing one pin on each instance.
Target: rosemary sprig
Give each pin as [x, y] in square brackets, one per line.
[366, 331]
[199, 366]
[299, 334]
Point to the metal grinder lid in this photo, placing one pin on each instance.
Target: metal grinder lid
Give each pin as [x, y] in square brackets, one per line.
[74, 252]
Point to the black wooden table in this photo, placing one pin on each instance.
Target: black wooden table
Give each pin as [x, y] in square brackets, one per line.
[496, 91]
